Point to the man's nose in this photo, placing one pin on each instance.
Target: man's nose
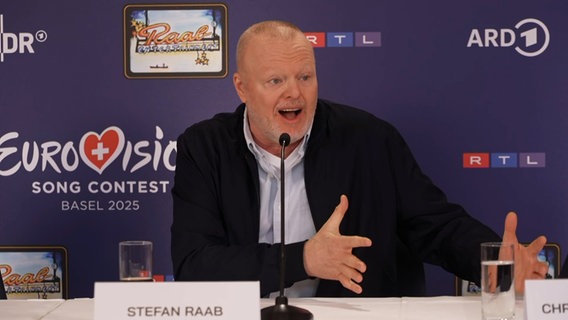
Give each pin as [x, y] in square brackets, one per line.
[292, 89]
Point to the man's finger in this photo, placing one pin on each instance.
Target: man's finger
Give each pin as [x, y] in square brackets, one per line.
[351, 273]
[356, 242]
[536, 246]
[349, 284]
[337, 216]
[541, 270]
[355, 263]
[510, 235]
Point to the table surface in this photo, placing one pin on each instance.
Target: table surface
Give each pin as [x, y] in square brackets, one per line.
[431, 308]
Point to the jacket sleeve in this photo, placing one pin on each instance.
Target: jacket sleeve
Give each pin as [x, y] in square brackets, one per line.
[215, 204]
[437, 231]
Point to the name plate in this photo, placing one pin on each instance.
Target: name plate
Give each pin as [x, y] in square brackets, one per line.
[177, 300]
[546, 299]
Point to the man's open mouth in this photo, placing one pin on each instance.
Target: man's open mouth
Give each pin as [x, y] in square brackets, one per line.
[290, 114]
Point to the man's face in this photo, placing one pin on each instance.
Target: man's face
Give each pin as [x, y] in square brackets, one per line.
[277, 81]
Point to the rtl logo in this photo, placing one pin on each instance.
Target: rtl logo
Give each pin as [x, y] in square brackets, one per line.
[344, 39]
[504, 160]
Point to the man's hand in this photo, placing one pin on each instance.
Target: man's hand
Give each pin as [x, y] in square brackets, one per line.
[527, 265]
[327, 255]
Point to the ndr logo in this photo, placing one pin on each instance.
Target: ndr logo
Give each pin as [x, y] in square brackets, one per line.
[18, 42]
[504, 160]
[534, 33]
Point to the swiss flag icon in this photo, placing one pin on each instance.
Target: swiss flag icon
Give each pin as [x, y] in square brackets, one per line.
[98, 151]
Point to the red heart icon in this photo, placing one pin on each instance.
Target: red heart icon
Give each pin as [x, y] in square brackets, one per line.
[99, 151]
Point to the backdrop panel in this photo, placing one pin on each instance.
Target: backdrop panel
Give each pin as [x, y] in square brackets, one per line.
[462, 81]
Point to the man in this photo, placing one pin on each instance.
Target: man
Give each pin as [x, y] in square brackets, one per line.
[361, 216]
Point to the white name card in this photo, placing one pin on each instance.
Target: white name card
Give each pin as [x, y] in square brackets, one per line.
[546, 299]
[177, 300]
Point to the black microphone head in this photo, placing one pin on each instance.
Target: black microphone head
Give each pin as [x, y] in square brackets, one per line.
[284, 139]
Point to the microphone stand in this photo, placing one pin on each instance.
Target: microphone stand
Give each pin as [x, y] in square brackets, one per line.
[281, 310]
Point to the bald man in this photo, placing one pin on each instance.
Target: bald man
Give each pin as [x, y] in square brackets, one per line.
[361, 217]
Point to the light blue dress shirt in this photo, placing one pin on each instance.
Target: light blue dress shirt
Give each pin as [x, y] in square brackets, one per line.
[299, 222]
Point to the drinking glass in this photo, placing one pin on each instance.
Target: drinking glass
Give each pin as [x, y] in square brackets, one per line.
[497, 281]
[135, 260]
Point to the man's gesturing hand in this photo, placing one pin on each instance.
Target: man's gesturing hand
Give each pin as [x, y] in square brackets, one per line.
[527, 265]
[328, 254]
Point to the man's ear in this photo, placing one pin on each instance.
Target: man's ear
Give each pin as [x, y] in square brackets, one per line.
[239, 87]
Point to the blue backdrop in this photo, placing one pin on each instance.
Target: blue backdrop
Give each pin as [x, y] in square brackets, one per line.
[456, 78]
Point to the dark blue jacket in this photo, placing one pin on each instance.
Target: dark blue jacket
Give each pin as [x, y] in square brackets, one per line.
[216, 207]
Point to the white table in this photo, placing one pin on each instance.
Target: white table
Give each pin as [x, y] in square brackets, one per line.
[27, 309]
[434, 308]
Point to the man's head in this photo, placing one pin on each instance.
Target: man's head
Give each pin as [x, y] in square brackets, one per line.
[276, 79]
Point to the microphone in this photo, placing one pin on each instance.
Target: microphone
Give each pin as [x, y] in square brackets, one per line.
[284, 142]
[281, 310]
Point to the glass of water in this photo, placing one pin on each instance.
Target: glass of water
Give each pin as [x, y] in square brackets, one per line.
[497, 281]
[135, 260]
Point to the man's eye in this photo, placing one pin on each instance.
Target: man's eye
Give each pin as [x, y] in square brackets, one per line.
[275, 81]
[305, 78]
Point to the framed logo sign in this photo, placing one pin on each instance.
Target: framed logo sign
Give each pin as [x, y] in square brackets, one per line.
[175, 41]
[34, 272]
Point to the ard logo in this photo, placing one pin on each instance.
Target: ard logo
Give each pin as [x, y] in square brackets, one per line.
[530, 37]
